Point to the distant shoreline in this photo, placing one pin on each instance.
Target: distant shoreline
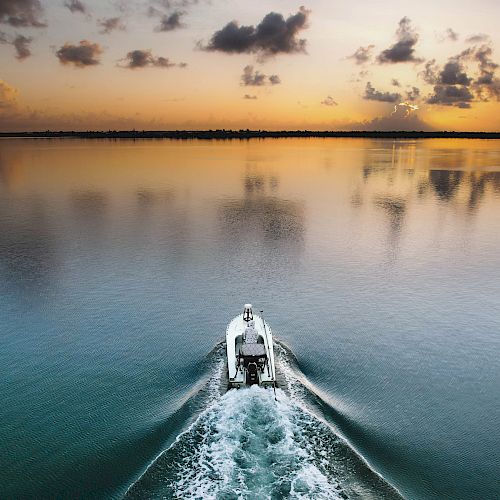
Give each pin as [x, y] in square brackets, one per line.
[246, 134]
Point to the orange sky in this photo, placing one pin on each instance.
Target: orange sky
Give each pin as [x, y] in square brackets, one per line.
[180, 64]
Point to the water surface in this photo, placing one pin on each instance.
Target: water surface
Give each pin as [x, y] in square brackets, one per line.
[376, 263]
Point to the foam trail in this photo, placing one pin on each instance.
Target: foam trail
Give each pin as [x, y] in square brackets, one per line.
[252, 447]
[246, 445]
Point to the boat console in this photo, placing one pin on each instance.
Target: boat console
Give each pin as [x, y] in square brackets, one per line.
[250, 354]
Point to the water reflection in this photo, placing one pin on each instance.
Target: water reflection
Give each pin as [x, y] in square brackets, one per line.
[395, 209]
[454, 174]
[27, 244]
[479, 182]
[157, 198]
[262, 214]
[445, 182]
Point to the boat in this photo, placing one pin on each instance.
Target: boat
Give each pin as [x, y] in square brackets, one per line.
[250, 354]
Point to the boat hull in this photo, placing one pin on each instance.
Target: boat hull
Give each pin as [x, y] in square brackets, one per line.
[250, 362]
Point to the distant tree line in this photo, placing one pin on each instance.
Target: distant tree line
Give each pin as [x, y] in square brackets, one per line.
[247, 134]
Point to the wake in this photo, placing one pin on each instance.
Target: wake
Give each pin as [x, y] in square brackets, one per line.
[247, 445]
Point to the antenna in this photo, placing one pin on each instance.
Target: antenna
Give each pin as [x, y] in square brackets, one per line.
[274, 373]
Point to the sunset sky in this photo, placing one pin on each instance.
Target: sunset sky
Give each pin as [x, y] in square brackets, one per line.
[199, 64]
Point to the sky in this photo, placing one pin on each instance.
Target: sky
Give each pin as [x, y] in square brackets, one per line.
[233, 64]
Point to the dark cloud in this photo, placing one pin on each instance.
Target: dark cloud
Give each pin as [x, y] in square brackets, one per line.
[22, 13]
[171, 22]
[329, 101]
[362, 55]
[413, 94]
[254, 78]
[430, 72]
[84, 54]
[274, 35]
[478, 38]
[454, 87]
[76, 6]
[404, 49]
[450, 83]
[403, 117]
[170, 13]
[22, 46]
[375, 95]
[451, 95]
[453, 74]
[250, 97]
[274, 79]
[138, 58]
[21, 43]
[487, 84]
[110, 24]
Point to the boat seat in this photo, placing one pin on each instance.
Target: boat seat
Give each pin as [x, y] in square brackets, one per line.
[251, 336]
[253, 350]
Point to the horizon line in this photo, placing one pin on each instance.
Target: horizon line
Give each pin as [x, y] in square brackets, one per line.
[244, 134]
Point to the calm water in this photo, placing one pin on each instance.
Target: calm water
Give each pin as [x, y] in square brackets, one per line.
[376, 262]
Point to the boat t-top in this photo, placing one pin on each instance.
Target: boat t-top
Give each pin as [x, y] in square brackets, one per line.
[250, 355]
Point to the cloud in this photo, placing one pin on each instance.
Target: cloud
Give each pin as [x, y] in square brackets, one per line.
[76, 6]
[110, 24]
[361, 76]
[273, 35]
[449, 35]
[404, 49]
[430, 72]
[22, 46]
[329, 101]
[22, 13]
[274, 79]
[487, 84]
[138, 58]
[170, 13]
[478, 38]
[82, 55]
[375, 95]
[362, 55]
[450, 83]
[171, 22]
[451, 95]
[454, 87]
[250, 97]
[254, 78]
[21, 43]
[413, 94]
[8, 95]
[453, 74]
[403, 117]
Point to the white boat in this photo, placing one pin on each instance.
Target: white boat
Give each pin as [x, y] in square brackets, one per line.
[250, 355]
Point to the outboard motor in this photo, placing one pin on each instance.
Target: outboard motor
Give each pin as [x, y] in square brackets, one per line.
[252, 375]
[247, 313]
